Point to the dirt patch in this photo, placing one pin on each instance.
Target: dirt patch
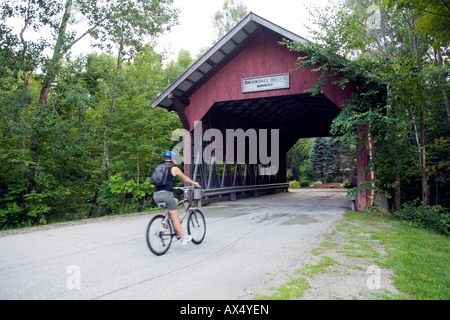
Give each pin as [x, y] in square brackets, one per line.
[329, 185]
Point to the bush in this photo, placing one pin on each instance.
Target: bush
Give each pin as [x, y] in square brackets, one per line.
[435, 218]
[294, 184]
[347, 184]
[305, 183]
[289, 174]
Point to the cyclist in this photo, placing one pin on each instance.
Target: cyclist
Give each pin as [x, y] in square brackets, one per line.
[165, 193]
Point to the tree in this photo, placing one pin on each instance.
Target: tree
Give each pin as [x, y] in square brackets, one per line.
[389, 63]
[233, 11]
[125, 24]
[69, 180]
[432, 18]
[320, 155]
[330, 158]
[49, 111]
[139, 134]
[175, 69]
[297, 160]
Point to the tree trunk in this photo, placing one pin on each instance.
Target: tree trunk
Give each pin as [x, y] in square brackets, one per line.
[58, 51]
[397, 190]
[438, 55]
[447, 106]
[138, 166]
[26, 102]
[106, 161]
[397, 161]
[425, 187]
[423, 160]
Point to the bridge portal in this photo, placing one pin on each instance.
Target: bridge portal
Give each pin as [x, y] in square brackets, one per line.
[243, 107]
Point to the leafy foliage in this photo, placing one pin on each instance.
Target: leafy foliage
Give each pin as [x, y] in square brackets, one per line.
[224, 20]
[78, 138]
[435, 218]
[400, 79]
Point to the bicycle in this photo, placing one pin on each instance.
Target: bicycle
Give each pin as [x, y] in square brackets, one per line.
[160, 230]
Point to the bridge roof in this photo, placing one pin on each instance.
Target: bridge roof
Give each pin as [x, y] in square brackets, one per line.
[216, 57]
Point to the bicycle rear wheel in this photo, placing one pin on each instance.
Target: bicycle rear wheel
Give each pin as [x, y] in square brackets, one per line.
[196, 226]
[159, 235]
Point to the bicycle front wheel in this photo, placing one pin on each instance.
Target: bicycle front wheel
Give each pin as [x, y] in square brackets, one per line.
[196, 226]
[159, 235]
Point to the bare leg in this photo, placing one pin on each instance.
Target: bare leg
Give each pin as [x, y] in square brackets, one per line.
[176, 223]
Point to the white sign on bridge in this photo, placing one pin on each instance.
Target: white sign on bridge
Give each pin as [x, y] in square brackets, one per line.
[273, 82]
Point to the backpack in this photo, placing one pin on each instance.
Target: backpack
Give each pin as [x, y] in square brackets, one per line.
[160, 176]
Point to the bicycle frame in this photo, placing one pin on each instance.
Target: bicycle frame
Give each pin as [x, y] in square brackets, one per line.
[196, 226]
[187, 200]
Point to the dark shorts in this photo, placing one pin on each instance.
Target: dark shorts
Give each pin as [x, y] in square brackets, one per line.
[167, 197]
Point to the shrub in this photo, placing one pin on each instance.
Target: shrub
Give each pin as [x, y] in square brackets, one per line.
[347, 184]
[305, 183]
[435, 218]
[294, 184]
[289, 174]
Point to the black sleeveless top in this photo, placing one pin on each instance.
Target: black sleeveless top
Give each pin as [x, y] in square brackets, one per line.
[168, 186]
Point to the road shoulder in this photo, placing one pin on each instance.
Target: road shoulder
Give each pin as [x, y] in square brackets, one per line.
[348, 265]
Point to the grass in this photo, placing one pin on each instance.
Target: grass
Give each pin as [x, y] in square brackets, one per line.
[421, 262]
[419, 259]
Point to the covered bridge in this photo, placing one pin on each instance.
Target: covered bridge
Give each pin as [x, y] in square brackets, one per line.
[244, 90]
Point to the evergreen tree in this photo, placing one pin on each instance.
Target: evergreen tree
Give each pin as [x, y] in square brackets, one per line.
[320, 157]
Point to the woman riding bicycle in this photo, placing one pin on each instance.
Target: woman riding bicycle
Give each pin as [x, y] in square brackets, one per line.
[165, 193]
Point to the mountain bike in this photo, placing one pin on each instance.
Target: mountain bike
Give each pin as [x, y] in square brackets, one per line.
[160, 230]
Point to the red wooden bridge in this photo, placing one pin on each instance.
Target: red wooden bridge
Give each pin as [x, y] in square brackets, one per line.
[246, 81]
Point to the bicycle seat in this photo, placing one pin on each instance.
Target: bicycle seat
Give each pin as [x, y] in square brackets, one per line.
[162, 204]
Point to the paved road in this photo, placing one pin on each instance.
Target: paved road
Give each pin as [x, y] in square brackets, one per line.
[250, 245]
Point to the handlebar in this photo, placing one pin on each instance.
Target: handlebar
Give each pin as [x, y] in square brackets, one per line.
[189, 195]
[185, 188]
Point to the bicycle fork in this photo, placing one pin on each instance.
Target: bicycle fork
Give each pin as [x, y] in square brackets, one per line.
[194, 220]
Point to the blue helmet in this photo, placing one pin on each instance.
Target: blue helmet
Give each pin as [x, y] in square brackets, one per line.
[171, 156]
